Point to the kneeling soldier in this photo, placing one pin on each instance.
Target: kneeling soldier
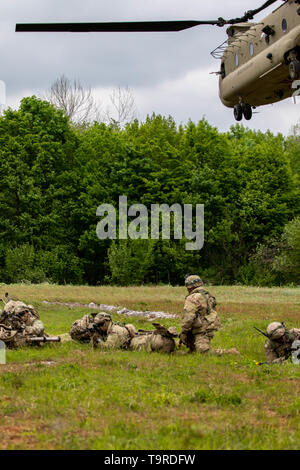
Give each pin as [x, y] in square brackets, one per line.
[200, 321]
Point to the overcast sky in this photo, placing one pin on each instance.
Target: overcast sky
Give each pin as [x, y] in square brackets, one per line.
[169, 73]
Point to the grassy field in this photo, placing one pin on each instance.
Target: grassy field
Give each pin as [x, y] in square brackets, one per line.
[70, 397]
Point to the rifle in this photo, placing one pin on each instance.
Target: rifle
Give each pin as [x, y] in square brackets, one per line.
[96, 335]
[264, 363]
[144, 332]
[261, 332]
[43, 339]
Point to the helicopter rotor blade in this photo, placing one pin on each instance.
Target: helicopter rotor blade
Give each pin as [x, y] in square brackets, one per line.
[134, 26]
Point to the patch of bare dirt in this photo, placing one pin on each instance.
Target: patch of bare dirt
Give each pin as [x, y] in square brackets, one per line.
[20, 435]
[19, 367]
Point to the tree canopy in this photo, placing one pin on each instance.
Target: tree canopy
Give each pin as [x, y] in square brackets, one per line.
[54, 176]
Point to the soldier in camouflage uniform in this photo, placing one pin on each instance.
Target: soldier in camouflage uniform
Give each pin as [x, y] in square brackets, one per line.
[200, 321]
[159, 340]
[102, 331]
[278, 347]
[19, 322]
[112, 335]
[82, 330]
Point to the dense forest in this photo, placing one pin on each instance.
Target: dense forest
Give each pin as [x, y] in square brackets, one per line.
[55, 174]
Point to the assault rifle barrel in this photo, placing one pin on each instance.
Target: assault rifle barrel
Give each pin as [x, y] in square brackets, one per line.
[261, 332]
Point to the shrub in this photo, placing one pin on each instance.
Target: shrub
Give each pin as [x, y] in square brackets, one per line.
[129, 261]
[288, 262]
[21, 266]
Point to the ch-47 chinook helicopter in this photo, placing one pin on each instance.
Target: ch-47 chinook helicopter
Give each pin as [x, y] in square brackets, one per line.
[259, 61]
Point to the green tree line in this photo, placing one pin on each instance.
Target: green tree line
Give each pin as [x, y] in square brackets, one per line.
[54, 175]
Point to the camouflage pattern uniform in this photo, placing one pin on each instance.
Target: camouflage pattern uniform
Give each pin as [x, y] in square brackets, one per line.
[117, 335]
[18, 322]
[65, 338]
[159, 340]
[88, 328]
[82, 329]
[7, 335]
[200, 321]
[278, 347]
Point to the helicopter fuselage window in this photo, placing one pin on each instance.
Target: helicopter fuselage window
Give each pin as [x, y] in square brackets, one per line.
[223, 71]
[236, 59]
[284, 25]
[251, 49]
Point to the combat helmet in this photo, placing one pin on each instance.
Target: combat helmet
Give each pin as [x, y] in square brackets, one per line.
[20, 309]
[275, 330]
[193, 281]
[14, 307]
[101, 318]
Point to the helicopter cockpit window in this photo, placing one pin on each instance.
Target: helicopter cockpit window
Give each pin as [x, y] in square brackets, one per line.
[251, 49]
[236, 60]
[284, 25]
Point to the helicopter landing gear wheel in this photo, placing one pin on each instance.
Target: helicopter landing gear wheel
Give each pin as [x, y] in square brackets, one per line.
[247, 112]
[238, 112]
[294, 69]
